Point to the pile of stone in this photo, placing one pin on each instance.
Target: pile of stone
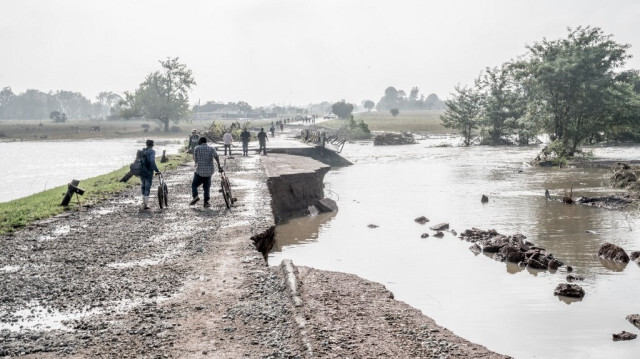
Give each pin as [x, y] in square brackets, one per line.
[626, 176]
[514, 248]
[389, 138]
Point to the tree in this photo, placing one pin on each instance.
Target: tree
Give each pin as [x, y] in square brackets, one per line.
[342, 109]
[163, 96]
[463, 112]
[369, 105]
[394, 112]
[576, 86]
[58, 117]
[108, 102]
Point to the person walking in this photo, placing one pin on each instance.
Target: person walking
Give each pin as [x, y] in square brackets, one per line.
[203, 156]
[193, 140]
[146, 175]
[262, 141]
[227, 138]
[273, 131]
[245, 136]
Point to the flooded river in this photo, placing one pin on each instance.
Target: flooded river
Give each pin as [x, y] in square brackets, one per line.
[509, 309]
[31, 167]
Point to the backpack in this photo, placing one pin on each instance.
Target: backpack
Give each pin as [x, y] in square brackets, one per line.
[140, 166]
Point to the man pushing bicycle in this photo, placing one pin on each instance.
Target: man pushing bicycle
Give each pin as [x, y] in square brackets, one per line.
[203, 156]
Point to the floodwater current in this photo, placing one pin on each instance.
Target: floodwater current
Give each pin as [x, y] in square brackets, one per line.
[30, 167]
[509, 309]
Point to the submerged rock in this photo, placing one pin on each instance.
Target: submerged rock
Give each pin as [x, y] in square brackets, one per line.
[624, 336]
[424, 235]
[440, 227]
[569, 290]
[326, 205]
[439, 235]
[372, 225]
[484, 199]
[421, 220]
[572, 277]
[612, 252]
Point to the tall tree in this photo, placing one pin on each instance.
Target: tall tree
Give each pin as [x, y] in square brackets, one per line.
[576, 84]
[163, 96]
[369, 105]
[463, 112]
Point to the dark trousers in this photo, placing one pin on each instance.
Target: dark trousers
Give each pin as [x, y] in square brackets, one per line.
[245, 147]
[225, 149]
[197, 181]
[263, 147]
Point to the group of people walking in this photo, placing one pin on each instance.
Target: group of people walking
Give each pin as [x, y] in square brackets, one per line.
[205, 157]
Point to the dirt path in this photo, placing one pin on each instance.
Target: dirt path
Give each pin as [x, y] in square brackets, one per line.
[114, 282]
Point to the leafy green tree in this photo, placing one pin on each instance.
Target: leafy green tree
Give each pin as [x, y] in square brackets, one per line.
[394, 112]
[463, 112]
[342, 109]
[503, 106]
[163, 96]
[576, 86]
[369, 105]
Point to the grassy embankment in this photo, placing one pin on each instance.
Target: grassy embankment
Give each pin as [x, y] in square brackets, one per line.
[424, 122]
[20, 212]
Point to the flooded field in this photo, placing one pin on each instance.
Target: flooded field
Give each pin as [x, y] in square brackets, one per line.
[31, 167]
[509, 309]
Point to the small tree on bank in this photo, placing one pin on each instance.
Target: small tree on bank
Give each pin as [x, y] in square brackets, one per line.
[394, 112]
[342, 109]
[369, 105]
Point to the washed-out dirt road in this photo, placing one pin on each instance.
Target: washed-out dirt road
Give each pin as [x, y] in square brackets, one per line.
[111, 281]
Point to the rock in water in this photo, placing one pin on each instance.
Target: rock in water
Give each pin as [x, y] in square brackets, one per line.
[440, 227]
[612, 252]
[569, 290]
[394, 139]
[484, 199]
[624, 336]
[634, 319]
[422, 220]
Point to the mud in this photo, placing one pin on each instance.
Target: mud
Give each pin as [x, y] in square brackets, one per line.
[113, 281]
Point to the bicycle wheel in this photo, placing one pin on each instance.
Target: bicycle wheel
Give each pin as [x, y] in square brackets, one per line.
[166, 194]
[226, 192]
[160, 196]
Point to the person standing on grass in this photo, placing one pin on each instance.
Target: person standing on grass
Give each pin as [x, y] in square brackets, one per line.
[146, 173]
[203, 156]
[245, 136]
[227, 139]
[262, 140]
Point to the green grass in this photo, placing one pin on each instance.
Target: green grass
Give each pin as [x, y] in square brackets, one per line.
[23, 211]
[426, 122]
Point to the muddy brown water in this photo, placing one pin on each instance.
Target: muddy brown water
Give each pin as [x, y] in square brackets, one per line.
[31, 167]
[509, 309]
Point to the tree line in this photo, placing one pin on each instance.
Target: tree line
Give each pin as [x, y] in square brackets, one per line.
[575, 90]
[59, 106]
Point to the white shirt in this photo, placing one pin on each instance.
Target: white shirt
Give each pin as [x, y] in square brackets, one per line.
[227, 138]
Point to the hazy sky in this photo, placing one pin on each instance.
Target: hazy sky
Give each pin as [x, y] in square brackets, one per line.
[286, 51]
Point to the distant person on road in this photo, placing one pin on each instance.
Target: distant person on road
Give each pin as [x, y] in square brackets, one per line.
[146, 175]
[245, 136]
[227, 139]
[193, 140]
[262, 140]
[203, 156]
[273, 131]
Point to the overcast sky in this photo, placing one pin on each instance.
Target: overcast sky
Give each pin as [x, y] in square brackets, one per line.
[286, 51]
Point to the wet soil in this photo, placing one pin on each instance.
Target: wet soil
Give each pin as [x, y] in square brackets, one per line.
[112, 281]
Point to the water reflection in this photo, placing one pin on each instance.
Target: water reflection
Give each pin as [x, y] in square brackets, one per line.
[612, 265]
[300, 230]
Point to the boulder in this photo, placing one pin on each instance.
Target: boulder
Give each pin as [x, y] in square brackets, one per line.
[439, 235]
[389, 138]
[624, 336]
[484, 199]
[475, 248]
[569, 290]
[634, 256]
[572, 277]
[612, 252]
[634, 319]
[326, 205]
[512, 253]
[424, 235]
[440, 227]
[493, 245]
[421, 220]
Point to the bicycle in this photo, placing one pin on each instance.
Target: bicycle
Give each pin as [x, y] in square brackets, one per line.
[163, 192]
[225, 187]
